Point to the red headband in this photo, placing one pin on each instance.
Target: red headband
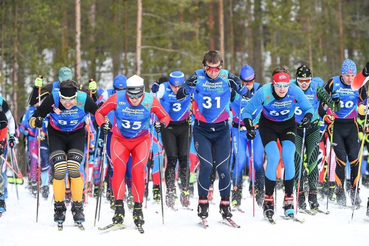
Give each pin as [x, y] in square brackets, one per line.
[281, 77]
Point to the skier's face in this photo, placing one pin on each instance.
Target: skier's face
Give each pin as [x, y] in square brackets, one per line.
[212, 69]
[348, 78]
[249, 84]
[281, 88]
[68, 103]
[135, 101]
[303, 83]
[175, 88]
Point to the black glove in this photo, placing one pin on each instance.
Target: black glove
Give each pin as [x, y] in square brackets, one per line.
[251, 134]
[159, 126]
[11, 141]
[2, 145]
[335, 98]
[306, 121]
[366, 70]
[106, 127]
[38, 122]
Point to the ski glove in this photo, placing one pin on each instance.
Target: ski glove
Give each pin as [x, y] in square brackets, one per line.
[328, 118]
[12, 141]
[38, 81]
[155, 87]
[306, 121]
[335, 98]
[159, 126]
[251, 134]
[366, 70]
[36, 122]
[106, 127]
[92, 85]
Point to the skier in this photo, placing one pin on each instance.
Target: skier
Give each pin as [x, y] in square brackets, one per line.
[7, 125]
[345, 129]
[67, 110]
[277, 121]
[315, 94]
[211, 87]
[175, 137]
[242, 146]
[31, 135]
[132, 109]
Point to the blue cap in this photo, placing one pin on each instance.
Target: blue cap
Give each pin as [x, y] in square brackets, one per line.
[176, 78]
[120, 82]
[247, 73]
[348, 67]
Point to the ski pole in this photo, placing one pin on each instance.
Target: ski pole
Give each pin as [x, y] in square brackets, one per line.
[253, 174]
[160, 183]
[98, 200]
[39, 156]
[330, 158]
[300, 167]
[16, 183]
[19, 174]
[365, 129]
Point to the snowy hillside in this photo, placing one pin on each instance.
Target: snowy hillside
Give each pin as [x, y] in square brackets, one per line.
[18, 226]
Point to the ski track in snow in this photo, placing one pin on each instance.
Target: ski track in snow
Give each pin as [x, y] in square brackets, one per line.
[18, 225]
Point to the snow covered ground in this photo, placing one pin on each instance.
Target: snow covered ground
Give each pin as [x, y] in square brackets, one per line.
[18, 226]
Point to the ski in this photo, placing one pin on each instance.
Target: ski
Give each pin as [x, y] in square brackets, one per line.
[293, 218]
[307, 211]
[321, 211]
[140, 229]
[230, 223]
[204, 223]
[60, 226]
[238, 209]
[79, 225]
[187, 208]
[112, 226]
[270, 220]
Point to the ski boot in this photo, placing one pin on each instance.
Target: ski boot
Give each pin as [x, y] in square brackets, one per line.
[320, 189]
[185, 197]
[59, 211]
[365, 180]
[367, 208]
[224, 208]
[340, 196]
[77, 211]
[313, 200]
[2, 204]
[45, 191]
[288, 207]
[348, 186]
[355, 200]
[112, 201]
[259, 196]
[210, 193]
[96, 191]
[138, 218]
[156, 193]
[130, 201]
[203, 207]
[236, 196]
[118, 217]
[34, 188]
[301, 200]
[268, 206]
[331, 192]
[170, 198]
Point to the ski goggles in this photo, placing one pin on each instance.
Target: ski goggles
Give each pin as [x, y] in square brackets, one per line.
[212, 69]
[135, 92]
[302, 81]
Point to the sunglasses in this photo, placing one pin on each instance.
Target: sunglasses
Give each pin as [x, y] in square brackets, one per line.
[212, 69]
[71, 98]
[280, 85]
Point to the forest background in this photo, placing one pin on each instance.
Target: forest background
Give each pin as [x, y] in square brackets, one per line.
[103, 38]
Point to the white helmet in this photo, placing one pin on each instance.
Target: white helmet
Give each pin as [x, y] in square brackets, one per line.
[135, 86]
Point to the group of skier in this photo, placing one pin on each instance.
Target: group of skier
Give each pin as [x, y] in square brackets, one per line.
[269, 125]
